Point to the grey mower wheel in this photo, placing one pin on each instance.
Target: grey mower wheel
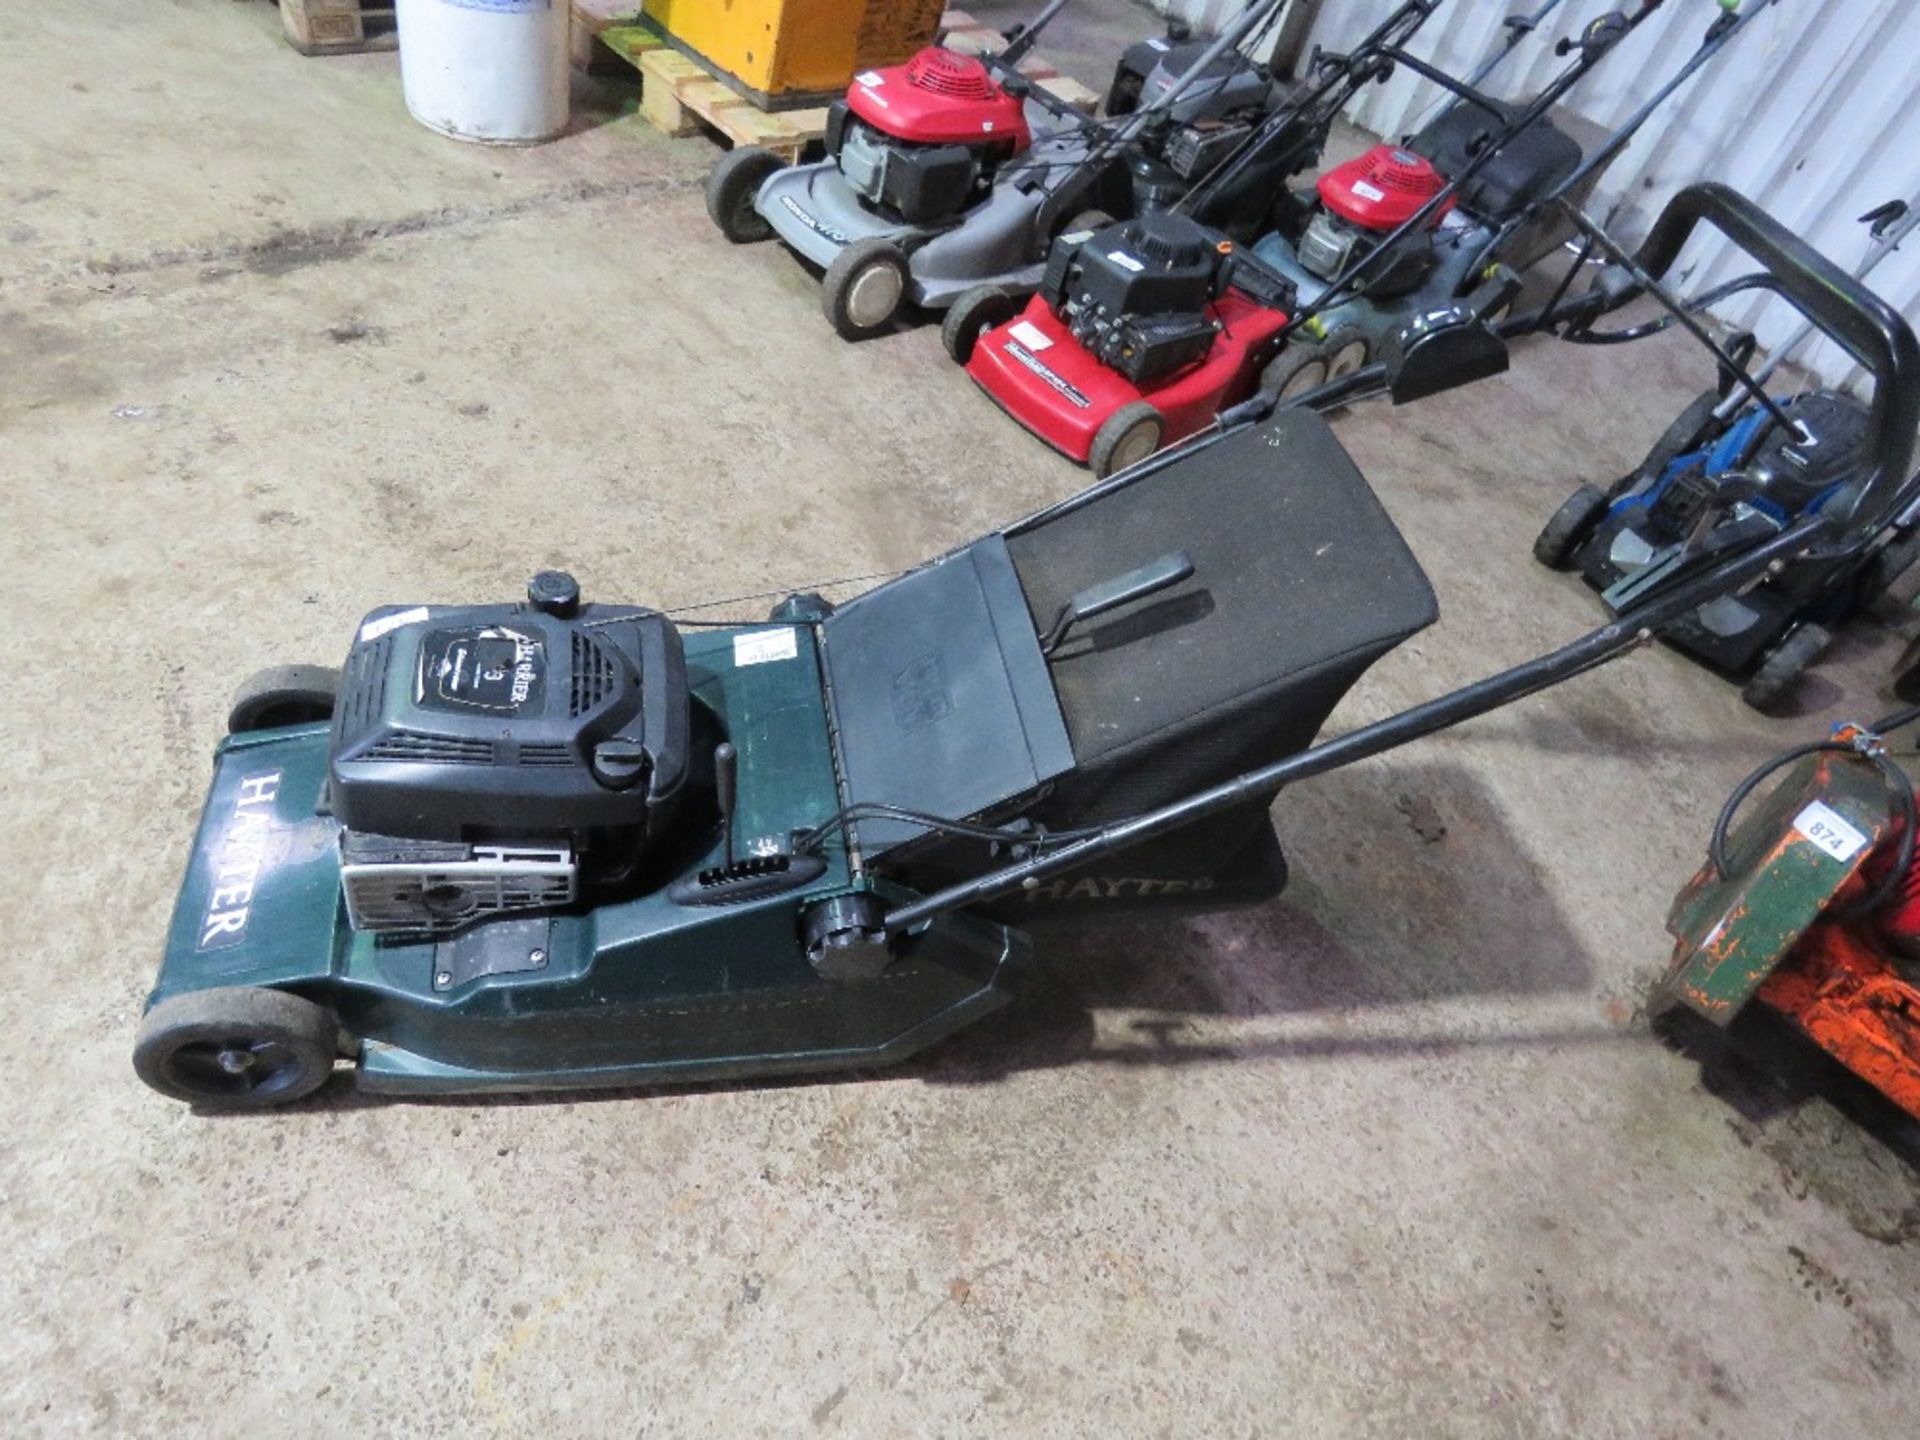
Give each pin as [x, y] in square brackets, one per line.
[976, 311]
[1346, 349]
[1779, 674]
[864, 288]
[1562, 536]
[238, 1047]
[731, 190]
[283, 695]
[1297, 369]
[1130, 435]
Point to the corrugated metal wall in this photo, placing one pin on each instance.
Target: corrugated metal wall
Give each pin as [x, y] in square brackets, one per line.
[1814, 111]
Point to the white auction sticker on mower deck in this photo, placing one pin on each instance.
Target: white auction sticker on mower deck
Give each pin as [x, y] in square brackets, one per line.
[1822, 824]
[1126, 261]
[757, 647]
[1368, 192]
[1030, 335]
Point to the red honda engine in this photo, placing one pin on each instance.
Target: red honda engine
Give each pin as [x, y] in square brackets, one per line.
[924, 138]
[1365, 199]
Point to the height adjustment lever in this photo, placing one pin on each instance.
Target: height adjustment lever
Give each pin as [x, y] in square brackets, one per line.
[1107, 595]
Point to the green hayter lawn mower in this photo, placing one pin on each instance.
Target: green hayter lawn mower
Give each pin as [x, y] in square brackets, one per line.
[556, 844]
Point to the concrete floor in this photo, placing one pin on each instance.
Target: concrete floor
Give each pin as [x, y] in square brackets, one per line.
[1391, 1157]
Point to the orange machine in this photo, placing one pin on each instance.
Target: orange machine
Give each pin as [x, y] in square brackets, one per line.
[795, 52]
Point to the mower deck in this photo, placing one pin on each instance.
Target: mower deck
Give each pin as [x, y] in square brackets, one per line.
[1039, 374]
[568, 999]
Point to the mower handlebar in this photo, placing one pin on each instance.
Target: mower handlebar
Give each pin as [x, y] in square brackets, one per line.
[1839, 305]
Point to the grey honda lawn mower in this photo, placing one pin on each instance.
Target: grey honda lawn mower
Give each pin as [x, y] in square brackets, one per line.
[952, 169]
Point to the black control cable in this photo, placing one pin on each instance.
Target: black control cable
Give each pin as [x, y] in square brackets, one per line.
[1869, 742]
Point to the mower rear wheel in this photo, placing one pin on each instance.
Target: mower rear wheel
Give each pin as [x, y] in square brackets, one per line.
[1882, 593]
[1346, 350]
[239, 1047]
[976, 311]
[1130, 435]
[731, 189]
[1087, 220]
[283, 695]
[1563, 535]
[1294, 371]
[864, 288]
[1779, 674]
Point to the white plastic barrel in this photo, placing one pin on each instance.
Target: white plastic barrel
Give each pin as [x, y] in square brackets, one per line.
[496, 71]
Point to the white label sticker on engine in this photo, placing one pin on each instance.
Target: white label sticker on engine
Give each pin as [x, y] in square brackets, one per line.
[1121, 258]
[870, 77]
[1822, 824]
[757, 647]
[374, 629]
[1030, 335]
[1368, 192]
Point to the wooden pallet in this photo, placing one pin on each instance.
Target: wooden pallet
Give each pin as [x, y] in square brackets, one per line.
[680, 97]
[338, 27]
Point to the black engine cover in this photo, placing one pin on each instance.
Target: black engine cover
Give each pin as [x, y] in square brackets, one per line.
[476, 722]
[1158, 264]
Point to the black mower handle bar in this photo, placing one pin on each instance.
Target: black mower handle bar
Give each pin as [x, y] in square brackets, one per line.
[1840, 306]
[1632, 627]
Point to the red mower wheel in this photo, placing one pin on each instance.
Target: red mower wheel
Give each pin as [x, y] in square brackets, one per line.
[974, 313]
[1130, 435]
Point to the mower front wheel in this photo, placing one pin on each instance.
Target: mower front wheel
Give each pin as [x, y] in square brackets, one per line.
[1562, 536]
[237, 1047]
[1130, 435]
[1294, 371]
[1779, 674]
[976, 311]
[732, 189]
[864, 287]
[283, 695]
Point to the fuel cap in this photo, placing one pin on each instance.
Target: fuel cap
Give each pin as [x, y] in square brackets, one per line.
[555, 593]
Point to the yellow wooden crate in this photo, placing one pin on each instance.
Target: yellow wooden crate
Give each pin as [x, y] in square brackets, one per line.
[790, 49]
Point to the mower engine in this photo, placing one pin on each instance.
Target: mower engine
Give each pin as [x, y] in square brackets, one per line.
[1780, 473]
[922, 139]
[1136, 294]
[1364, 200]
[1201, 128]
[483, 756]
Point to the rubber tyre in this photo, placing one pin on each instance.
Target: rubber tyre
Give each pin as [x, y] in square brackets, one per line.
[1346, 349]
[1880, 589]
[1295, 369]
[856, 311]
[1906, 673]
[731, 188]
[1087, 220]
[283, 695]
[1562, 536]
[1779, 673]
[289, 1045]
[975, 312]
[1130, 435]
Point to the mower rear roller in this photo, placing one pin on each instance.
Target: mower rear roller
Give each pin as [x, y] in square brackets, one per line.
[1562, 536]
[283, 695]
[237, 1047]
[976, 311]
[1779, 674]
[1130, 435]
[864, 287]
[731, 189]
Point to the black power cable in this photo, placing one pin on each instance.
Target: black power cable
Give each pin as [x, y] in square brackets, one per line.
[1868, 742]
